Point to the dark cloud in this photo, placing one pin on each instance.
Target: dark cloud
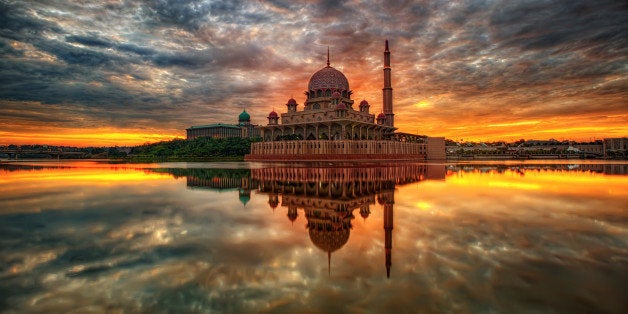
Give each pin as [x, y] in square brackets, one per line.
[139, 50]
[213, 58]
[89, 41]
[16, 23]
[188, 14]
[558, 25]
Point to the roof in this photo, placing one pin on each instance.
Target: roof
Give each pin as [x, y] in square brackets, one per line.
[215, 125]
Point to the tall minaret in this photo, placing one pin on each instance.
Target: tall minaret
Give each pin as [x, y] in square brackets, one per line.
[387, 90]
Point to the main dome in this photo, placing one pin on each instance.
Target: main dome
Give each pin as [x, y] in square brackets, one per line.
[329, 240]
[328, 78]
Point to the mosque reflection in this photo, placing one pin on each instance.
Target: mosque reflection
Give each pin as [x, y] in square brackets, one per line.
[330, 197]
[327, 196]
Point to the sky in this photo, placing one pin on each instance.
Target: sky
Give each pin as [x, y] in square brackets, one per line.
[101, 73]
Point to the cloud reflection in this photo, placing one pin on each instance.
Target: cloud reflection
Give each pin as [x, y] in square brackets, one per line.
[154, 243]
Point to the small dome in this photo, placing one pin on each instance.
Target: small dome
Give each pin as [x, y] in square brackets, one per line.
[381, 116]
[244, 116]
[244, 199]
[341, 106]
[292, 213]
[273, 114]
[336, 95]
[291, 101]
[364, 103]
[273, 201]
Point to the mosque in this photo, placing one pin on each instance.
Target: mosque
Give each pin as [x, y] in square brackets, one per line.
[330, 127]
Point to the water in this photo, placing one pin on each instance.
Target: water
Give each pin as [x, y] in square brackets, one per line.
[502, 237]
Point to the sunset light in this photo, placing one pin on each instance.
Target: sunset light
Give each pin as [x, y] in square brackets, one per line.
[126, 73]
[277, 156]
[89, 137]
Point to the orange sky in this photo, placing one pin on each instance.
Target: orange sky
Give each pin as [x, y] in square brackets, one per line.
[136, 72]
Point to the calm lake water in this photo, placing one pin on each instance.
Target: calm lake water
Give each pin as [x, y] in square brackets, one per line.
[501, 237]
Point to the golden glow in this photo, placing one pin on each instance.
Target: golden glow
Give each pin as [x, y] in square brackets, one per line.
[91, 175]
[469, 128]
[36, 190]
[514, 123]
[423, 104]
[423, 205]
[564, 182]
[514, 185]
[81, 137]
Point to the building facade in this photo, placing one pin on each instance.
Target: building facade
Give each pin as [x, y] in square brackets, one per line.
[244, 128]
[331, 127]
[616, 147]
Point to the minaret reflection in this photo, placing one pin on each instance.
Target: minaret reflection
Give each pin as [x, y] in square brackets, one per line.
[329, 195]
[387, 200]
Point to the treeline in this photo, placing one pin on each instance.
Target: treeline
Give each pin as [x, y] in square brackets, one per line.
[199, 148]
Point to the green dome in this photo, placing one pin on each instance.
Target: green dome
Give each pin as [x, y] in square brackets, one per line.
[244, 116]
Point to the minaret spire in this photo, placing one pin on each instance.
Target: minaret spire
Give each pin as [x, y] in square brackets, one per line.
[327, 56]
[387, 91]
[329, 263]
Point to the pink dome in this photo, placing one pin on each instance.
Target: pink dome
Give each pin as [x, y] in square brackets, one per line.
[273, 114]
[364, 103]
[341, 106]
[291, 101]
[328, 78]
[336, 95]
[381, 116]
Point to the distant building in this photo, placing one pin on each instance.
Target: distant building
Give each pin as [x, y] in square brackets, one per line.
[243, 129]
[592, 148]
[616, 146]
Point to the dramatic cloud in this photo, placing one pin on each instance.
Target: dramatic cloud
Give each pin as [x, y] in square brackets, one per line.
[458, 66]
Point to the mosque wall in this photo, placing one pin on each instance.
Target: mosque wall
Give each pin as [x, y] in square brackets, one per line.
[337, 150]
[436, 148]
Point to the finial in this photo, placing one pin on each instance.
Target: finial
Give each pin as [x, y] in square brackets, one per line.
[329, 263]
[386, 45]
[327, 55]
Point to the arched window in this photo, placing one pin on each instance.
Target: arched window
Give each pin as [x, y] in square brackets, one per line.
[316, 106]
[328, 93]
[319, 93]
